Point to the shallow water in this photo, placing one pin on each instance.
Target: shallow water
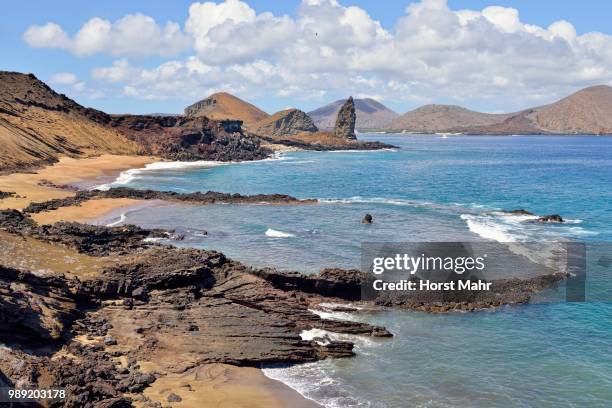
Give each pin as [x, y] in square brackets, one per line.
[432, 189]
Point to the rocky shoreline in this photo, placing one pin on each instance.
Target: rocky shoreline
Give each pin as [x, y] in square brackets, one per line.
[171, 310]
[156, 302]
[209, 197]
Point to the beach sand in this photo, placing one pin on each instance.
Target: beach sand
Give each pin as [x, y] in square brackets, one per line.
[225, 386]
[30, 187]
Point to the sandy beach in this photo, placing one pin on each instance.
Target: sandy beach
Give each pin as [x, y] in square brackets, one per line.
[225, 386]
[34, 186]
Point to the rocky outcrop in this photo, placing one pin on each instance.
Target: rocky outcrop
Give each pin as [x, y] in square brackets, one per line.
[367, 219]
[186, 138]
[285, 123]
[502, 292]
[175, 308]
[345, 122]
[551, 218]
[209, 197]
[36, 310]
[371, 115]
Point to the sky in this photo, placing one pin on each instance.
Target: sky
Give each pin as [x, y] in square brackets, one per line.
[160, 56]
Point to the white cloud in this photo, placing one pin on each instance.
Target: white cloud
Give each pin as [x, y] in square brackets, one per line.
[132, 35]
[327, 50]
[50, 35]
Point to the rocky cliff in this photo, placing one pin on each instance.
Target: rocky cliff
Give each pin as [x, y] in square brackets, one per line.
[185, 138]
[345, 122]
[222, 105]
[285, 123]
[38, 125]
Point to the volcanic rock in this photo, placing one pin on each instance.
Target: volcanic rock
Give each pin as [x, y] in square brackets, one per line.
[551, 218]
[209, 197]
[345, 122]
[285, 123]
[367, 219]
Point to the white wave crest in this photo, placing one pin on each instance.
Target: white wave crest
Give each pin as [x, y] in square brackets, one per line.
[121, 219]
[277, 234]
[128, 176]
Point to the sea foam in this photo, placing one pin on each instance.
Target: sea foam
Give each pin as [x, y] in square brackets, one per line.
[272, 233]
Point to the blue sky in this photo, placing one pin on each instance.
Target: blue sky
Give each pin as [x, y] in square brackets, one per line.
[486, 60]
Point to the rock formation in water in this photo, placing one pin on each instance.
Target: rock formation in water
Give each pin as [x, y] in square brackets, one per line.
[371, 115]
[285, 123]
[345, 122]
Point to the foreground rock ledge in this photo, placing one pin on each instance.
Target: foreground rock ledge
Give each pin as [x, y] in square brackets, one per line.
[163, 307]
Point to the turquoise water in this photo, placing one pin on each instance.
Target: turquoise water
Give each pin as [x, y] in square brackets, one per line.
[431, 189]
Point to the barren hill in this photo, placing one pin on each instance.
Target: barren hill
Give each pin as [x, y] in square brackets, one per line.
[588, 111]
[223, 105]
[371, 114]
[37, 125]
[443, 118]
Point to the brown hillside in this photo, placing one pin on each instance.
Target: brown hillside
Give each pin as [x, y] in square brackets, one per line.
[38, 125]
[223, 105]
[586, 111]
[443, 118]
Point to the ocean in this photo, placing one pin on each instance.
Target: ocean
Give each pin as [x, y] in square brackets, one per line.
[545, 353]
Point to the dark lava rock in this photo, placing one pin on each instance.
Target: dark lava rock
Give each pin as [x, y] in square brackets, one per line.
[209, 197]
[110, 341]
[345, 122]
[172, 397]
[502, 292]
[367, 219]
[556, 218]
[519, 211]
[97, 240]
[33, 309]
[185, 138]
[6, 194]
[340, 283]
[286, 123]
[16, 222]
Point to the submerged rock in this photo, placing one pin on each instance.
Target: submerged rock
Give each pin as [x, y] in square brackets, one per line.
[345, 122]
[551, 218]
[367, 219]
[519, 211]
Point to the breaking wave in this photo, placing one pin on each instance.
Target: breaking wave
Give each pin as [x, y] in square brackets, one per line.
[272, 233]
